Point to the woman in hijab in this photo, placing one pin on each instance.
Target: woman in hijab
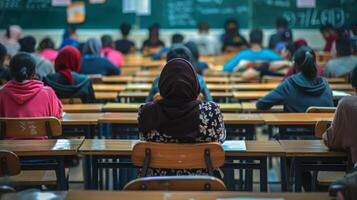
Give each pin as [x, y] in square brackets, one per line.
[66, 82]
[93, 63]
[10, 39]
[179, 117]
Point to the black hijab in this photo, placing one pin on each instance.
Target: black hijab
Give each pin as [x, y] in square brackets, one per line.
[177, 114]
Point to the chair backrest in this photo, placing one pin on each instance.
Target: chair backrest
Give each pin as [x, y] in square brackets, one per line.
[347, 186]
[316, 109]
[177, 183]
[321, 127]
[30, 127]
[71, 101]
[178, 156]
[9, 163]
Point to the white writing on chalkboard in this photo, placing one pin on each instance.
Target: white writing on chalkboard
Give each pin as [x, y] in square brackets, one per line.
[316, 17]
[10, 4]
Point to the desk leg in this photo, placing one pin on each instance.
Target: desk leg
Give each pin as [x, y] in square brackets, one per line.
[62, 184]
[283, 174]
[95, 172]
[298, 174]
[263, 175]
[87, 172]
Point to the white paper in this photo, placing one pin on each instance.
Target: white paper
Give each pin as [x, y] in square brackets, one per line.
[129, 6]
[340, 94]
[143, 7]
[234, 145]
[306, 3]
[61, 2]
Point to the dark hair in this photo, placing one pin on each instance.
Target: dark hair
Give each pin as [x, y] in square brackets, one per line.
[27, 44]
[281, 22]
[230, 21]
[7, 32]
[71, 30]
[326, 27]
[343, 47]
[22, 67]
[3, 53]
[179, 51]
[305, 61]
[46, 43]
[125, 29]
[194, 50]
[203, 26]
[177, 38]
[353, 77]
[256, 36]
[107, 41]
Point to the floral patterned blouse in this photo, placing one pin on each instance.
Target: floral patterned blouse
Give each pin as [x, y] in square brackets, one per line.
[211, 130]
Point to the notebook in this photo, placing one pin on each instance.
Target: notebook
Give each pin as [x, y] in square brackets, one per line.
[234, 145]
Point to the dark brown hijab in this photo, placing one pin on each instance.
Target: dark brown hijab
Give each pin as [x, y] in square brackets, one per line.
[177, 114]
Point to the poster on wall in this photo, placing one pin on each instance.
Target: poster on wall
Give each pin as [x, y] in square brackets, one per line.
[139, 7]
[97, 1]
[76, 12]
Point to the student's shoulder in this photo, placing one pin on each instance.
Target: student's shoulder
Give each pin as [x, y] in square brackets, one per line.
[209, 106]
[349, 102]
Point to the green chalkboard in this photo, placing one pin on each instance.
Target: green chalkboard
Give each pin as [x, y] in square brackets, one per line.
[39, 14]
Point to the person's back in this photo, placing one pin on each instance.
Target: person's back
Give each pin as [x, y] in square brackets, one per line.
[302, 90]
[124, 45]
[114, 56]
[4, 71]
[47, 49]
[25, 97]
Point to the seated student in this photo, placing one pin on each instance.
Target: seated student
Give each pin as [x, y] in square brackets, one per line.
[206, 43]
[124, 45]
[110, 53]
[70, 37]
[282, 27]
[176, 38]
[179, 51]
[93, 63]
[256, 52]
[10, 39]
[47, 50]
[179, 117]
[200, 66]
[66, 81]
[329, 34]
[25, 97]
[43, 66]
[232, 40]
[153, 44]
[302, 90]
[342, 133]
[4, 71]
[344, 63]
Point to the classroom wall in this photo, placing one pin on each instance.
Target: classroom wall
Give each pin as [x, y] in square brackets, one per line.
[312, 36]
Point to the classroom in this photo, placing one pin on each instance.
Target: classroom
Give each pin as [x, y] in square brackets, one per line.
[178, 99]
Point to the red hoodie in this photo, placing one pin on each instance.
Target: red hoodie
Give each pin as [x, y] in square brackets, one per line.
[29, 99]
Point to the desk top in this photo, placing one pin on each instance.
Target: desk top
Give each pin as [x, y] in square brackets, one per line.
[108, 87]
[81, 119]
[106, 95]
[295, 118]
[239, 118]
[117, 79]
[135, 94]
[157, 195]
[82, 108]
[139, 86]
[308, 148]
[255, 95]
[119, 118]
[42, 147]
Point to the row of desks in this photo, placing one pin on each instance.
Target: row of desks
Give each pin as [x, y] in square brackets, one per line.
[301, 150]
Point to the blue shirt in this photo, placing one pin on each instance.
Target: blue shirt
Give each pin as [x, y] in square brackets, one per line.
[204, 90]
[250, 55]
[94, 64]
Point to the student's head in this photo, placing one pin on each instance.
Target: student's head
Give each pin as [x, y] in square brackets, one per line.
[68, 60]
[70, 31]
[107, 41]
[256, 37]
[27, 44]
[327, 30]
[177, 38]
[194, 50]
[22, 67]
[154, 32]
[125, 29]
[3, 54]
[305, 62]
[179, 51]
[286, 36]
[178, 81]
[354, 79]
[203, 27]
[281, 24]
[93, 46]
[343, 47]
[299, 43]
[231, 26]
[13, 32]
[46, 43]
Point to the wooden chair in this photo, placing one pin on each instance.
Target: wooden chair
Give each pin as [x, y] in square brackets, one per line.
[316, 109]
[9, 166]
[178, 156]
[23, 128]
[71, 101]
[177, 183]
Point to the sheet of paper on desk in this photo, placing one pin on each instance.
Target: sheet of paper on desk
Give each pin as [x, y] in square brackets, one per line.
[340, 93]
[250, 198]
[234, 145]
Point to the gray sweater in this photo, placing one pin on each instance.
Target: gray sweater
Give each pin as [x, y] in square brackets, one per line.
[341, 66]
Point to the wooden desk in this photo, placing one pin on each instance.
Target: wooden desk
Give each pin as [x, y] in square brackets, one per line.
[143, 79]
[216, 79]
[82, 108]
[308, 148]
[106, 95]
[80, 119]
[117, 79]
[140, 87]
[118, 118]
[242, 87]
[239, 118]
[251, 108]
[295, 118]
[255, 95]
[342, 87]
[128, 94]
[121, 107]
[108, 87]
[148, 73]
